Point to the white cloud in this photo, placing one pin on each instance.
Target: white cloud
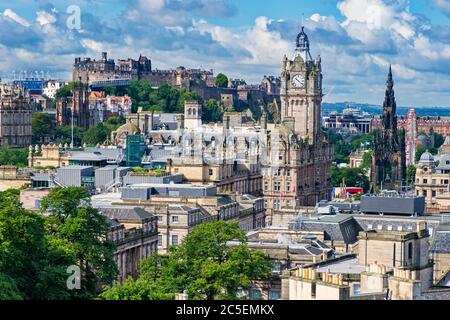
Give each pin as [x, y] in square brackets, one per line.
[151, 5]
[355, 50]
[15, 17]
[444, 5]
[44, 18]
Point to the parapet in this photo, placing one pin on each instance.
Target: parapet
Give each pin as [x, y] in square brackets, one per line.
[406, 275]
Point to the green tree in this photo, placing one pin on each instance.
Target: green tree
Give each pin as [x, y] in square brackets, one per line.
[64, 135]
[65, 91]
[411, 174]
[42, 125]
[110, 91]
[222, 80]
[113, 123]
[139, 92]
[362, 141]
[8, 289]
[79, 230]
[438, 140]
[354, 177]
[204, 265]
[212, 112]
[187, 95]
[13, 157]
[23, 252]
[96, 135]
[367, 161]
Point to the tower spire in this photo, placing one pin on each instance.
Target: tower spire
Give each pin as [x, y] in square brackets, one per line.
[302, 46]
[390, 105]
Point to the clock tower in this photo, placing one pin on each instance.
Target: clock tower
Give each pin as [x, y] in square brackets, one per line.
[297, 172]
[301, 91]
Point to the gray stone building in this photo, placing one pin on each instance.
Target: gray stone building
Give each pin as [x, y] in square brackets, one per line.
[15, 117]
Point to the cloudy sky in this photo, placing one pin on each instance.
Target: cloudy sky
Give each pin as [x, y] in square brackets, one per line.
[357, 40]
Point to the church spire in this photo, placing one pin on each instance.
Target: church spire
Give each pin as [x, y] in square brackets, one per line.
[390, 81]
[390, 105]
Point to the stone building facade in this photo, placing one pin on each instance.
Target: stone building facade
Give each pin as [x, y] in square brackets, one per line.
[433, 181]
[298, 167]
[15, 117]
[135, 233]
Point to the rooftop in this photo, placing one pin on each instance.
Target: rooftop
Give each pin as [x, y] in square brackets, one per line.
[392, 235]
[341, 266]
[126, 213]
[75, 167]
[88, 156]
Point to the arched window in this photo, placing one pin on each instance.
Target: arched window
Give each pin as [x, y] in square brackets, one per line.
[189, 111]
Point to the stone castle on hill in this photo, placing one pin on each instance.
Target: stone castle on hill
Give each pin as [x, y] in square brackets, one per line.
[91, 74]
[90, 71]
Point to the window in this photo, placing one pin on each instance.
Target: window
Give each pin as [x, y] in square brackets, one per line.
[175, 240]
[370, 227]
[433, 182]
[380, 227]
[274, 295]
[211, 172]
[288, 172]
[276, 266]
[277, 172]
[175, 219]
[277, 186]
[400, 228]
[37, 204]
[433, 194]
[356, 289]
[410, 250]
[425, 193]
[256, 294]
[425, 181]
[288, 187]
[266, 186]
[176, 170]
[389, 228]
[276, 205]
[160, 240]
[160, 218]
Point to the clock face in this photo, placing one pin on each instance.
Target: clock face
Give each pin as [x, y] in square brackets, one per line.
[298, 81]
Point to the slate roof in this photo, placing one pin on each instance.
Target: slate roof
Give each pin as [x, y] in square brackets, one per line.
[225, 200]
[305, 250]
[160, 154]
[441, 242]
[40, 177]
[337, 228]
[435, 295]
[126, 213]
[184, 209]
[88, 156]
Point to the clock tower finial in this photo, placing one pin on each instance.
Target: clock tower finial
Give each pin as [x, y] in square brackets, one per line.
[302, 46]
